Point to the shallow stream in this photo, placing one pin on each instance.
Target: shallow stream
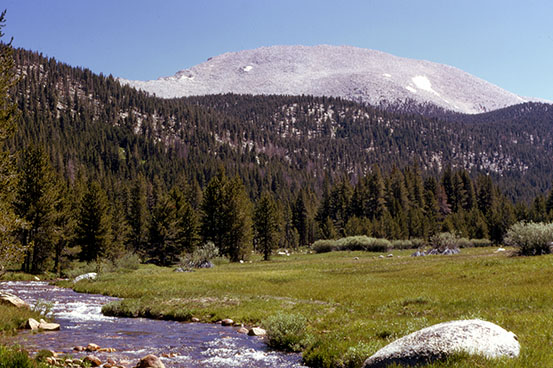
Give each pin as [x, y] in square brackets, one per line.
[194, 344]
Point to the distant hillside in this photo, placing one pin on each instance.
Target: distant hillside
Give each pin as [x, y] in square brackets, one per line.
[352, 73]
[94, 125]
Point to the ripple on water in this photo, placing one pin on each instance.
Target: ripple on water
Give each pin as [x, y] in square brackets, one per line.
[196, 344]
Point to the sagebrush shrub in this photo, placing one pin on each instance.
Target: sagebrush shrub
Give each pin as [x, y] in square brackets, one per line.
[531, 238]
[448, 240]
[360, 242]
[286, 332]
[324, 246]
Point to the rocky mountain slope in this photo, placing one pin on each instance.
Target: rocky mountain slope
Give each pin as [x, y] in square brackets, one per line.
[356, 74]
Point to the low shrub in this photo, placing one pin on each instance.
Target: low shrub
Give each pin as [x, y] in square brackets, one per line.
[477, 243]
[352, 243]
[464, 243]
[287, 332]
[402, 244]
[443, 241]
[201, 256]
[128, 261]
[356, 355]
[324, 246]
[531, 239]
[17, 358]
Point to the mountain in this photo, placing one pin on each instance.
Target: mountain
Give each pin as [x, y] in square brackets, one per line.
[95, 127]
[356, 74]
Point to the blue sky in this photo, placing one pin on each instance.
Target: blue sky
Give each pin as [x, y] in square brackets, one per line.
[508, 43]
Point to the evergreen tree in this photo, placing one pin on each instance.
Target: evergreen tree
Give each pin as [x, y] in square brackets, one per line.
[10, 250]
[213, 226]
[290, 236]
[120, 229]
[137, 215]
[469, 198]
[162, 246]
[226, 216]
[65, 225]
[36, 202]
[500, 217]
[93, 231]
[186, 223]
[374, 203]
[299, 218]
[549, 203]
[238, 209]
[485, 196]
[267, 225]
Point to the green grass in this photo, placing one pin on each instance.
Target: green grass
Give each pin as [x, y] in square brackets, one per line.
[12, 357]
[18, 276]
[12, 318]
[354, 307]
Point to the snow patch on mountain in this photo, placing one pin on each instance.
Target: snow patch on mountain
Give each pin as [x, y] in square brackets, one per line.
[341, 71]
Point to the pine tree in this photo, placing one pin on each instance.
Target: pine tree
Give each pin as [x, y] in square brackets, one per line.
[36, 202]
[213, 226]
[11, 251]
[65, 225]
[267, 223]
[162, 247]
[137, 215]
[93, 231]
[120, 229]
[238, 209]
[226, 216]
[375, 202]
[186, 223]
[299, 218]
[485, 194]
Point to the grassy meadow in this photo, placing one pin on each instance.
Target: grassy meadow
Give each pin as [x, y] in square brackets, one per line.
[356, 306]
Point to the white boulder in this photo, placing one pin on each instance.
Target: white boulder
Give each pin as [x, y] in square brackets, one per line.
[11, 299]
[86, 276]
[439, 341]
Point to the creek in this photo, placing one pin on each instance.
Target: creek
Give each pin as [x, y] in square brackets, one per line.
[194, 344]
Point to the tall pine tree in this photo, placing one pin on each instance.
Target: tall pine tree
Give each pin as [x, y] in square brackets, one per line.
[267, 223]
[10, 250]
[93, 224]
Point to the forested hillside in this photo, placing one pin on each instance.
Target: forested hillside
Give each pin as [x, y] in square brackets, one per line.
[153, 174]
[282, 142]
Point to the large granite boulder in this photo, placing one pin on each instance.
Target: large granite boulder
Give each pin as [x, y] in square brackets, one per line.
[10, 299]
[86, 276]
[32, 324]
[256, 331]
[46, 326]
[439, 341]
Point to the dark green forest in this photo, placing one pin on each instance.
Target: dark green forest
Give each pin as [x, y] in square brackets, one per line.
[101, 170]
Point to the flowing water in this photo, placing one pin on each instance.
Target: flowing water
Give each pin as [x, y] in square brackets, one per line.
[194, 344]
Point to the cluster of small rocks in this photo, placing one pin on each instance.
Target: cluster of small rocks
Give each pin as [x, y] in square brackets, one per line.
[59, 360]
[149, 361]
[436, 251]
[252, 331]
